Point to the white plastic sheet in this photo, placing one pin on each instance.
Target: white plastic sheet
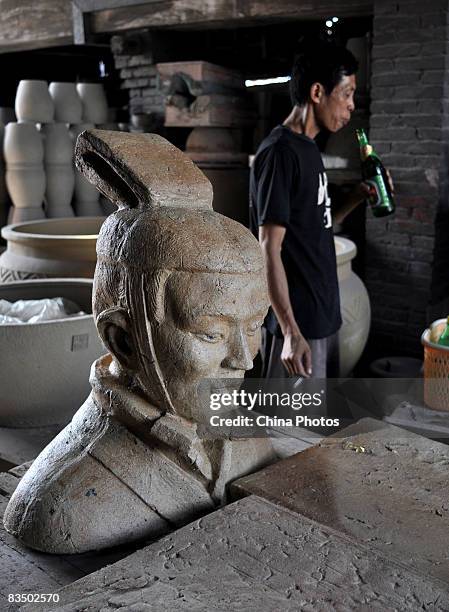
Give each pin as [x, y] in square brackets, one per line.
[36, 311]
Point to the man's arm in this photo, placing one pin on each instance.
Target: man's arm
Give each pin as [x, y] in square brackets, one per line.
[358, 195]
[296, 355]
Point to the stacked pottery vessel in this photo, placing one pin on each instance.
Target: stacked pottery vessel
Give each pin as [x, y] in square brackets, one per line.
[25, 176]
[58, 162]
[24, 151]
[94, 112]
[38, 149]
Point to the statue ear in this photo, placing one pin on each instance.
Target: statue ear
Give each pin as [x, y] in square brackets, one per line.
[115, 331]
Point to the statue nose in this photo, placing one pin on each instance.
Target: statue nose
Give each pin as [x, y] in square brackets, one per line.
[239, 356]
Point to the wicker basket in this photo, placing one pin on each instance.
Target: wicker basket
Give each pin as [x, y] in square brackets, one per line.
[436, 368]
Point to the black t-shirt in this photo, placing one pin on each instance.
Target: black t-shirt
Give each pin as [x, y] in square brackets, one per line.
[288, 186]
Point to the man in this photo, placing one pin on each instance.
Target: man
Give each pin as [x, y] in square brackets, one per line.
[290, 209]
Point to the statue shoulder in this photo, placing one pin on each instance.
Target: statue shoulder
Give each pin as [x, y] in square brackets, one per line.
[69, 502]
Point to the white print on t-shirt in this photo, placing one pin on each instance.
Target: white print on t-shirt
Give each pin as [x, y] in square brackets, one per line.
[323, 198]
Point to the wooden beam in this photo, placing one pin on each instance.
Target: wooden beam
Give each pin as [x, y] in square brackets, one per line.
[34, 24]
[31, 24]
[215, 13]
[82, 10]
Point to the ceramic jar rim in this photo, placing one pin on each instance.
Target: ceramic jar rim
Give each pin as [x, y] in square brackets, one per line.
[13, 232]
[39, 81]
[348, 252]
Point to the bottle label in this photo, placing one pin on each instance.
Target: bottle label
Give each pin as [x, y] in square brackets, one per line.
[378, 194]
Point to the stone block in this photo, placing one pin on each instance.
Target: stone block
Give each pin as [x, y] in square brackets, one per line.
[140, 60]
[121, 61]
[126, 73]
[394, 49]
[134, 83]
[253, 555]
[386, 488]
[144, 71]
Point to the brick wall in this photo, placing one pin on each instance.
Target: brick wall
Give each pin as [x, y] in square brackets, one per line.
[407, 126]
[134, 58]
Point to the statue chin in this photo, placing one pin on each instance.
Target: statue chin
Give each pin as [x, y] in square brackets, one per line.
[179, 297]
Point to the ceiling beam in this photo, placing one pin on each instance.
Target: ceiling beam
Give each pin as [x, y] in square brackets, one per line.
[215, 13]
[33, 24]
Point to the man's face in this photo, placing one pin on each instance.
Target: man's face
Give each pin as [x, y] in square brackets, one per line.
[211, 331]
[333, 111]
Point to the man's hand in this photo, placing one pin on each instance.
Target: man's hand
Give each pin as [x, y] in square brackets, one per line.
[362, 191]
[297, 356]
[359, 194]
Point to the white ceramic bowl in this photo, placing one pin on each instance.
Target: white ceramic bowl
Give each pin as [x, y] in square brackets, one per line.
[44, 367]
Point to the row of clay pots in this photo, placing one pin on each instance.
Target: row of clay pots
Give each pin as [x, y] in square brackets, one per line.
[61, 102]
[39, 165]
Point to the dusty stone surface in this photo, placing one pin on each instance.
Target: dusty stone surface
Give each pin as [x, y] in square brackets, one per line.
[387, 488]
[179, 297]
[253, 555]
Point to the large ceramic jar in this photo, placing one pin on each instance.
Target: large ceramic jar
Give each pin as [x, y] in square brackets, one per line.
[68, 105]
[50, 248]
[44, 373]
[25, 177]
[87, 196]
[33, 102]
[95, 106]
[58, 162]
[355, 307]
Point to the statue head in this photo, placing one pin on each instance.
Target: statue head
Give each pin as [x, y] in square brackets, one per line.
[179, 290]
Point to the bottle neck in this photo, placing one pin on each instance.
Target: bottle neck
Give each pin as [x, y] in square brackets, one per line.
[365, 148]
[362, 137]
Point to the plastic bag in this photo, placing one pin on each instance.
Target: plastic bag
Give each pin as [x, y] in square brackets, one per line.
[36, 311]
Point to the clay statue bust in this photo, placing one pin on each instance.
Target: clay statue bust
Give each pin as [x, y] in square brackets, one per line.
[179, 296]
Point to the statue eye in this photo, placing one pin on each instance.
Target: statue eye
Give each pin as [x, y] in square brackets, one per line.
[212, 337]
[253, 328]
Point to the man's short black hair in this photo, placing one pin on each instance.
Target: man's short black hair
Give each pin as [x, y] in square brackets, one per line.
[322, 62]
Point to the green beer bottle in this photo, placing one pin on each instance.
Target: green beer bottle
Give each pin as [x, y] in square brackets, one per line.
[374, 173]
[444, 338]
